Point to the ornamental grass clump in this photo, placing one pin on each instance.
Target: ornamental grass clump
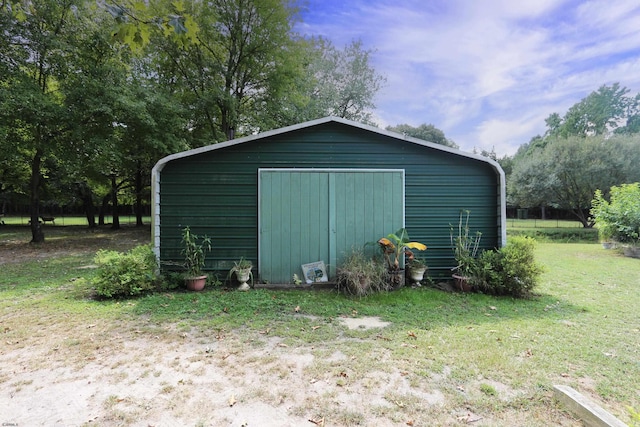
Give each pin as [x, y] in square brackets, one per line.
[359, 275]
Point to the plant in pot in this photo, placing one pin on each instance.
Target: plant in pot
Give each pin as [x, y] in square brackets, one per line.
[193, 250]
[416, 268]
[465, 250]
[393, 247]
[242, 271]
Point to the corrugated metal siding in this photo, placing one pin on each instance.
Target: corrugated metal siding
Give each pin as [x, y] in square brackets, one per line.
[215, 192]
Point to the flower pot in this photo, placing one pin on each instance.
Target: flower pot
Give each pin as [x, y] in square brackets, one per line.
[243, 275]
[461, 283]
[416, 274]
[195, 283]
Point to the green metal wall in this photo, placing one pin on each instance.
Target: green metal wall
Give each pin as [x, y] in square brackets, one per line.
[216, 192]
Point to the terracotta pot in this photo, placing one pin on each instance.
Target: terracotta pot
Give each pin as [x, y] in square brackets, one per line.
[462, 283]
[195, 283]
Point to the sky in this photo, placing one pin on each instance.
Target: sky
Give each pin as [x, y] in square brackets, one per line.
[486, 72]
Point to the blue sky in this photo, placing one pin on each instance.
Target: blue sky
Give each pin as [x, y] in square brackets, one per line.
[486, 72]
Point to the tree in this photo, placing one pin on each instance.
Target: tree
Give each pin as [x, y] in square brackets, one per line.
[242, 48]
[600, 113]
[321, 80]
[426, 132]
[566, 172]
[345, 83]
[34, 57]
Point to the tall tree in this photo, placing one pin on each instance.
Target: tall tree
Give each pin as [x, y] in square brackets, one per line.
[566, 172]
[600, 113]
[34, 57]
[426, 132]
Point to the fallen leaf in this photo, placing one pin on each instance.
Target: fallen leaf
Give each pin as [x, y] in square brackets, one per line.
[318, 422]
[232, 400]
[491, 307]
[409, 423]
[399, 403]
[315, 327]
[564, 375]
[297, 309]
[283, 345]
[412, 335]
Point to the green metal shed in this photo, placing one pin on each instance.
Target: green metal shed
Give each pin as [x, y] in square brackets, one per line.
[313, 191]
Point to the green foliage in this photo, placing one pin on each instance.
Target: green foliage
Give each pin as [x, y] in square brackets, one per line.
[511, 270]
[426, 132]
[619, 219]
[359, 275]
[600, 112]
[128, 274]
[465, 246]
[194, 251]
[635, 417]
[565, 172]
[397, 244]
[560, 235]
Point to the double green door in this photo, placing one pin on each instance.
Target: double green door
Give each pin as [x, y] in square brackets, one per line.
[309, 215]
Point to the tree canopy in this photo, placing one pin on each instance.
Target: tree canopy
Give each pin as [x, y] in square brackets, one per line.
[93, 94]
[426, 132]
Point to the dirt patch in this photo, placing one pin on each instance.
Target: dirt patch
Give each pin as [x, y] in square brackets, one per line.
[363, 322]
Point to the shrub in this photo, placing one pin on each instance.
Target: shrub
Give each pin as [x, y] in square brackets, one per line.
[125, 274]
[359, 275]
[619, 219]
[511, 270]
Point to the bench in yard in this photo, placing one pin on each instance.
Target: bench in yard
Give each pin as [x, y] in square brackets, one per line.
[46, 219]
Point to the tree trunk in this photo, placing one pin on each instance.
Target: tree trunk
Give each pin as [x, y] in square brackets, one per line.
[86, 195]
[543, 213]
[37, 235]
[103, 208]
[114, 204]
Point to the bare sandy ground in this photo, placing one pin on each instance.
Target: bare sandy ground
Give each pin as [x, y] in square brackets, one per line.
[136, 379]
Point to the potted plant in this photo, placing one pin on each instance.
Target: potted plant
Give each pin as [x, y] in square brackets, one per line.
[193, 250]
[417, 268]
[465, 250]
[242, 271]
[393, 247]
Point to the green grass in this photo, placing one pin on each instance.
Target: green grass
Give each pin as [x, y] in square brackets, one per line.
[552, 230]
[68, 220]
[582, 329]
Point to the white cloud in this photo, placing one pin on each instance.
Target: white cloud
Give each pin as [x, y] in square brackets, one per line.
[487, 72]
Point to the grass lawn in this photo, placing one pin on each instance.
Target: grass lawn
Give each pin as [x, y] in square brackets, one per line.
[492, 357]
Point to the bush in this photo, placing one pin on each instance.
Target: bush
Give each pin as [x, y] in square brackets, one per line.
[360, 276]
[619, 219]
[511, 270]
[125, 274]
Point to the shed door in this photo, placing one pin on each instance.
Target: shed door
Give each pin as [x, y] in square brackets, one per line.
[310, 215]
